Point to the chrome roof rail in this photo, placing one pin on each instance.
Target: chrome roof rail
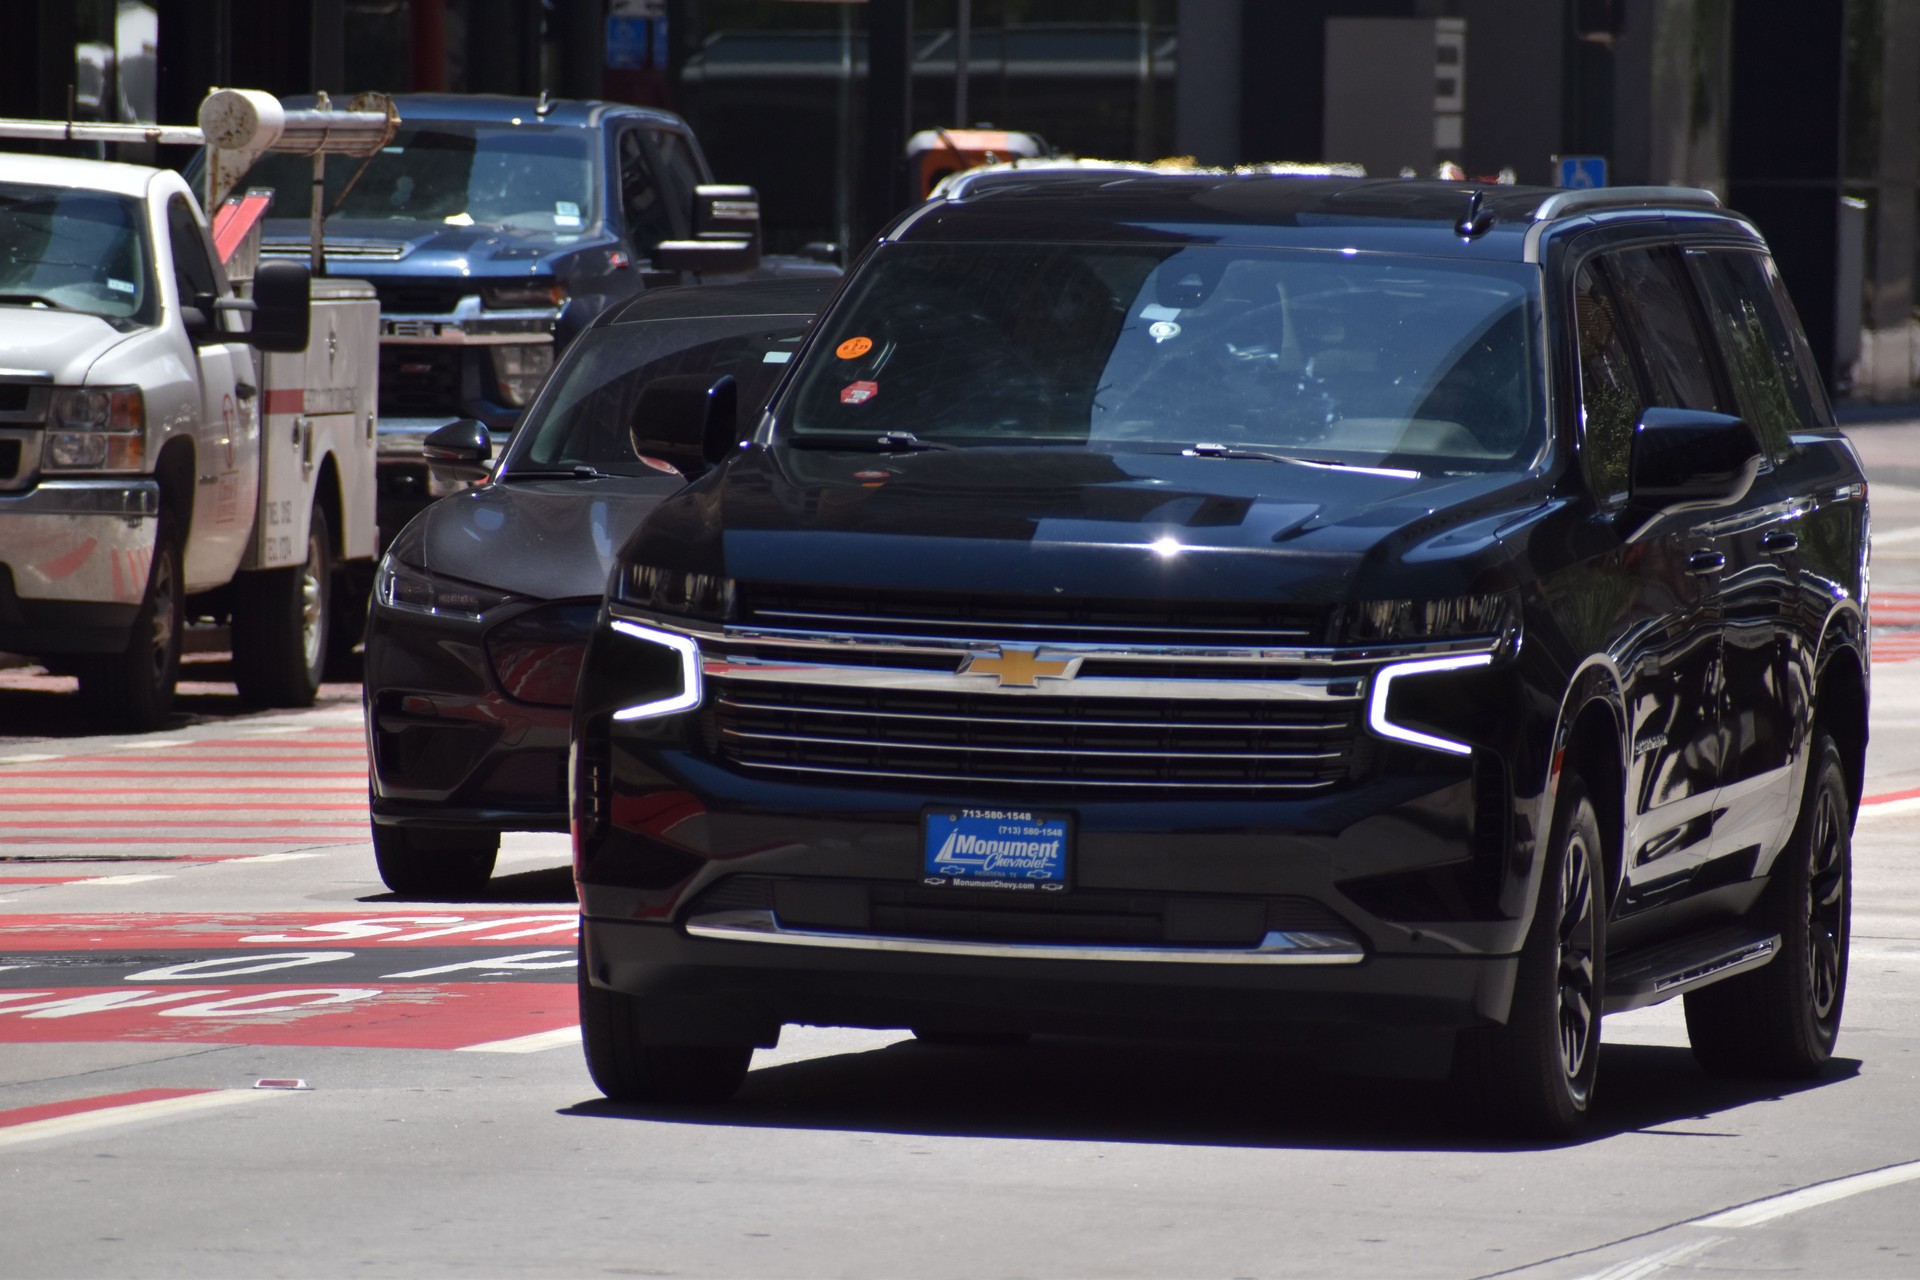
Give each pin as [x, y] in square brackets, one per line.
[1595, 199]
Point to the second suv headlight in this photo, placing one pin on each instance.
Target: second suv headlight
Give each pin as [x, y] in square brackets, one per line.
[1418, 621]
[673, 592]
[401, 586]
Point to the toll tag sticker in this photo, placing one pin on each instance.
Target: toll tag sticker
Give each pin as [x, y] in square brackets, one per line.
[859, 392]
[853, 348]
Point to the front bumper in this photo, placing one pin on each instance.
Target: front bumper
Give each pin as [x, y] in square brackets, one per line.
[74, 557]
[448, 748]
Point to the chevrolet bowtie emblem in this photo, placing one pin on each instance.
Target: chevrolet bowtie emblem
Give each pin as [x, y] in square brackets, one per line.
[1019, 668]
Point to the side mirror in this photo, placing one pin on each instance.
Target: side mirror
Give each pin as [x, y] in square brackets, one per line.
[282, 318]
[1689, 458]
[726, 234]
[688, 420]
[457, 453]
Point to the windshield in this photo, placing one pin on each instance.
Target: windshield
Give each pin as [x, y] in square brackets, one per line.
[537, 177]
[1361, 360]
[74, 251]
[585, 416]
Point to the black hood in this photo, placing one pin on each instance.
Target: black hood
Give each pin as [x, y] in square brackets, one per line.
[1112, 524]
[542, 539]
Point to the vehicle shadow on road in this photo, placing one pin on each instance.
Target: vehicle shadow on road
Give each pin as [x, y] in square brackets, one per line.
[37, 705]
[1104, 1091]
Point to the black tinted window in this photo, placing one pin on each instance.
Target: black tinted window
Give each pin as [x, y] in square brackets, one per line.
[584, 417]
[1775, 393]
[1610, 396]
[1658, 301]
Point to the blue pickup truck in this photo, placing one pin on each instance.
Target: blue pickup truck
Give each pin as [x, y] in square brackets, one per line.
[494, 230]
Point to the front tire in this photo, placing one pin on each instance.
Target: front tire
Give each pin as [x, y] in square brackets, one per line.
[1781, 1021]
[628, 1067]
[281, 620]
[1535, 1075]
[133, 689]
[435, 864]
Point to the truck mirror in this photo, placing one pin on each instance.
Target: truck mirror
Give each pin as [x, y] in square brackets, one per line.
[726, 233]
[282, 318]
[457, 453]
[687, 420]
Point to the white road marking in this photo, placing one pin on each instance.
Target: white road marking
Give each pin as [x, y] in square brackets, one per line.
[127, 879]
[39, 759]
[1653, 1264]
[152, 744]
[1889, 808]
[1761, 1212]
[107, 1117]
[274, 857]
[1893, 536]
[559, 1038]
[274, 728]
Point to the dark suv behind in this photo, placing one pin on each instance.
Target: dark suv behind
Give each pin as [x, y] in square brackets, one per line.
[1405, 620]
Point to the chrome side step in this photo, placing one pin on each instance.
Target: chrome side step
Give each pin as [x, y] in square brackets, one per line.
[1278, 947]
[1653, 974]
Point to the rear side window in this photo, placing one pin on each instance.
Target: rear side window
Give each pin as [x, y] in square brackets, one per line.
[1652, 289]
[1611, 399]
[1772, 372]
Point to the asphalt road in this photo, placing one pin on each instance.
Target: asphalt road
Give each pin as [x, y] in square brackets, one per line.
[225, 1050]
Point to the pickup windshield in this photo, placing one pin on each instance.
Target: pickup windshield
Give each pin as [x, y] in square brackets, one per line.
[451, 173]
[68, 250]
[1363, 360]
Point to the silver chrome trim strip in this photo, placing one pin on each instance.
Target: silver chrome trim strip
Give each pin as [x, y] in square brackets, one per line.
[933, 646]
[1239, 726]
[968, 748]
[747, 671]
[1278, 947]
[997, 780]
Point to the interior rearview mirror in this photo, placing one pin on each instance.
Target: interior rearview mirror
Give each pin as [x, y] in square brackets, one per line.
[687, 420]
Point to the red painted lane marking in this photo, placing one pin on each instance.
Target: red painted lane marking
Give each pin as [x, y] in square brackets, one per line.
[151, 931]
[424, 1016]
[75, 1106]
[5, 880]
[148, 806]
[174, 835]
[1891, 796]
[109, 792]
[161, 771]
[189, 829]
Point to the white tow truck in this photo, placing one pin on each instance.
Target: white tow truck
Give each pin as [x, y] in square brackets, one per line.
[162, 460]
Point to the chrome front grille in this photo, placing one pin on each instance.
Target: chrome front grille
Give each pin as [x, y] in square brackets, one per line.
[1032, 743]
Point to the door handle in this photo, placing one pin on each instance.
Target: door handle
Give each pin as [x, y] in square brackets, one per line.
[1780, 542]
[1705, 562]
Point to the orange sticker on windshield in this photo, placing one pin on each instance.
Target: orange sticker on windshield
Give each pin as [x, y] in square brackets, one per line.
[853, 348]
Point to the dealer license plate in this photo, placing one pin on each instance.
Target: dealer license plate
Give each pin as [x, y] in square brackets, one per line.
[1012, 849]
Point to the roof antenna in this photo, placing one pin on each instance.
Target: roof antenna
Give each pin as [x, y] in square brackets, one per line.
[542, 107]
[1474, 222]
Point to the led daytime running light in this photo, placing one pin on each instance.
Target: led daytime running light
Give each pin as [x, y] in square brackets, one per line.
[689, 696]
[1383, 684]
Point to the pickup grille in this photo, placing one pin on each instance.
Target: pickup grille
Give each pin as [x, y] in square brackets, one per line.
[419, 381]
[1033, 745]
[420, 298]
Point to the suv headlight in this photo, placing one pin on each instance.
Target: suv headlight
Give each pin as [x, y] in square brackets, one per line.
[401, 586]
[674, 593]
[519, 368]
[1378, 622]
[96, 429]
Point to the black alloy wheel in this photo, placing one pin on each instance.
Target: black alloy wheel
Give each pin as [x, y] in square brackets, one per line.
[1781, 1021]
[1534, 1077]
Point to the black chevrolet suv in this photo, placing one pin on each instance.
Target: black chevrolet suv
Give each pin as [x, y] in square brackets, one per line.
[1401, 620]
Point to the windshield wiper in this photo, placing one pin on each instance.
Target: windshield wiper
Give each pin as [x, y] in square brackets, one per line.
[884, 442]
[32, 300]
[1263, 455]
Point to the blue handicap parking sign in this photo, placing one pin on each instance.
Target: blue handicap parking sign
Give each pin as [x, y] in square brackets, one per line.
[1582, 172]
